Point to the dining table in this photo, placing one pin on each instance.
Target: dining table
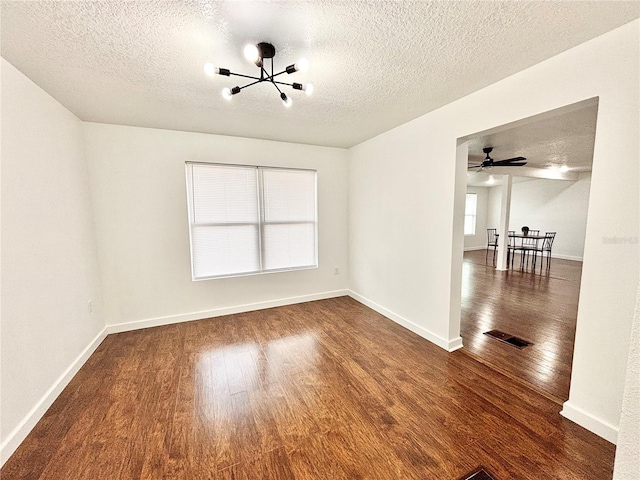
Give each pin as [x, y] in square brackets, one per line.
[533, 246]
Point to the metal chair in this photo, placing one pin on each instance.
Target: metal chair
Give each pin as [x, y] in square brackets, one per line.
[547, 243]
[492, 241]
[529, 246]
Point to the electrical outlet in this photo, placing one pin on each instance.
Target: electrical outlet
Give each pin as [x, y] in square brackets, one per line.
[336, 270]
[90, 306]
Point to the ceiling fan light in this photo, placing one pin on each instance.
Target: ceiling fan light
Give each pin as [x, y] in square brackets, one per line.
[491, 180]
[251, 53]
[226, 93]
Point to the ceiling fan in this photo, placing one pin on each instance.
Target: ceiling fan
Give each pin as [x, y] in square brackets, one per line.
[489, 162]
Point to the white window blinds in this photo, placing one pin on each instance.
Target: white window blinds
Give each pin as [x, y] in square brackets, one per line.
[246, 220]
[470, 207]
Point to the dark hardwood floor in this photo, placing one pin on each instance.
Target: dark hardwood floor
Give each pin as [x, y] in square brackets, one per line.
[540, 308]
[321, 390]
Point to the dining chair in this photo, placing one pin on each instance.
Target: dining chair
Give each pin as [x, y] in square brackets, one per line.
[492, 241]
[547, 243]
[529, 246]
[526, 247]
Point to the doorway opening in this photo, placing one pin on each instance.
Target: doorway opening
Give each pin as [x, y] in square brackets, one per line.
[509, 287]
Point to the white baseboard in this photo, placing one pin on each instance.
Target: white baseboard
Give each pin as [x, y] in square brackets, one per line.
[20, 432]
[455, 344]
[218, 312]
[554, 255]
[590, 422]
[449, 345]
[566, 257]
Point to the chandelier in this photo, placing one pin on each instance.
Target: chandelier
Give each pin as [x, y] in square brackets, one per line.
[258, 54]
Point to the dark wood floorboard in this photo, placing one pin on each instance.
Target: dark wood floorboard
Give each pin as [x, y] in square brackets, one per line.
[321, 390]
[540, 308]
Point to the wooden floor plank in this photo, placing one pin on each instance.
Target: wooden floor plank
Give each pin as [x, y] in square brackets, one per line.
[326, 389]
[540, 308]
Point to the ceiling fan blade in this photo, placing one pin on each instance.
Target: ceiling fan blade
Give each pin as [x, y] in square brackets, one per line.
[510, 164]
[509, 160]
[476, 166]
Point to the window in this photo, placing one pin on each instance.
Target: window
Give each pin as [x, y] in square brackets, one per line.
[470, 206]
[245, 220]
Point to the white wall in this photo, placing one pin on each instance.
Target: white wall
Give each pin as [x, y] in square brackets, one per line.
[139, 197]
[479, 240]
[627, 466]
[402, 213]
[49, 261]
[549, 206]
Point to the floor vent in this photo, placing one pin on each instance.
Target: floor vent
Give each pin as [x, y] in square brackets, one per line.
[508, 339]
[477, 474]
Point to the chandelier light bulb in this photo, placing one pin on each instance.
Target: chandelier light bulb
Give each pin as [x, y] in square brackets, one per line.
[286, 101]
[308, 88]
[302, 65]
[251, 53]
[210, 69]
[226, 93]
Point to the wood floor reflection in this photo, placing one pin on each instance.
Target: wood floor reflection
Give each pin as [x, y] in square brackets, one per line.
[540, 308]
[321, 390]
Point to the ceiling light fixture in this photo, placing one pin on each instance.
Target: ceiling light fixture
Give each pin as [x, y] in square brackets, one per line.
[257, 54]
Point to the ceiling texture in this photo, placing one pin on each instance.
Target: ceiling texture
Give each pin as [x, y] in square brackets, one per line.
[564, 139]
[374, 64]
[561, 137]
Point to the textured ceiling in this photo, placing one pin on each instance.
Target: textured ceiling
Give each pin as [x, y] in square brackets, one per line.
[374, 64]
[562, 137]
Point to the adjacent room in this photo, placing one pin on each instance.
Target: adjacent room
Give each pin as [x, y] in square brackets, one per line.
[248, 240]
[530, 300]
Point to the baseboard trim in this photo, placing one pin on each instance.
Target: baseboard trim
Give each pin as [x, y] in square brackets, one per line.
[449, 345]
[590, 422]
[218, 312]
[567, 257]
[20, 432]
[554, 255]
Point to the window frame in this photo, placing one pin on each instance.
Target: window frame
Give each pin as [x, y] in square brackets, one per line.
[474, 215]
[259, 226]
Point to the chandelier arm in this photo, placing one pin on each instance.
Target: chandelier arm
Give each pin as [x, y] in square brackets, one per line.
[279, 73]
[252, 83]
[265, 75]
[244, 76]
[277, 88]
[269, 78]
[282, 83]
